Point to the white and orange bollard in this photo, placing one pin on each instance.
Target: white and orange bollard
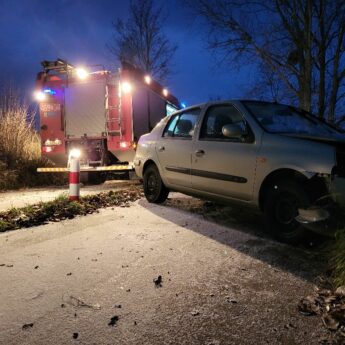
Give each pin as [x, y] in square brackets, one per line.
[74, 178]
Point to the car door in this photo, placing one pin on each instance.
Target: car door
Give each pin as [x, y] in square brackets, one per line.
[223, 165]
[174, 148]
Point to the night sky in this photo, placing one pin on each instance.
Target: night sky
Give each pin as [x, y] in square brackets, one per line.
[78, 31]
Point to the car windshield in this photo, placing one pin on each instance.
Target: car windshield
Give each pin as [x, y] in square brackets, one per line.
[279, 118]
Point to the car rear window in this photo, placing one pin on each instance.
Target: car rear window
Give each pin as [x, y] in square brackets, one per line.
[182, 125]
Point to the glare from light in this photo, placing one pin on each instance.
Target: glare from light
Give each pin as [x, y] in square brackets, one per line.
[126, 87]
[47, 149]
[39, 96]
[50, 91]
[123, 144]
[147, 79]
[165, 92]
[81, 73]
[183, 105]
[74, 153]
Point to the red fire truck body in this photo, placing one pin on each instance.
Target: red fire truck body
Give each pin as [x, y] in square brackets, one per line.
[100, 114]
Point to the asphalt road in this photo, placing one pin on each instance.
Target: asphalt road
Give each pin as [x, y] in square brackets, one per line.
[90, 280]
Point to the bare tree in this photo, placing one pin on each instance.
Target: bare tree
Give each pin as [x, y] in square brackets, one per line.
[141, 41]
[300, 42]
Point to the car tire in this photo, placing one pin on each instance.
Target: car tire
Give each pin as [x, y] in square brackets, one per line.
[154, 189]
[280, 209]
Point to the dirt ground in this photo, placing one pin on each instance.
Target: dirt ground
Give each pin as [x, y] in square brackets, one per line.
[96, 279]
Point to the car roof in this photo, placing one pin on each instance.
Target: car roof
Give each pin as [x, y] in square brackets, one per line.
[222, 101]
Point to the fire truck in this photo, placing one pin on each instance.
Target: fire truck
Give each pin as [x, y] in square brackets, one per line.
[97, 115]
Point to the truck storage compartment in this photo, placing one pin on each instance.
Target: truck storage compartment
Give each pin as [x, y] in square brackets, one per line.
[85, 108]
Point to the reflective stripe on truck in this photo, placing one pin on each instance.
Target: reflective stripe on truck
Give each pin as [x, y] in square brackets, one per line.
[123, 167]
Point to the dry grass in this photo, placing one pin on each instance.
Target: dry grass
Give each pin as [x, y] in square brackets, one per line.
[19, 143]
[20, 148]
[336, 256]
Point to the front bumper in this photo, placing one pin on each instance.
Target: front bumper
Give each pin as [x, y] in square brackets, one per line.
[328, 218]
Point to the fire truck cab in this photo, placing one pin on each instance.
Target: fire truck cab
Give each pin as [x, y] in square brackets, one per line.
[97, 114]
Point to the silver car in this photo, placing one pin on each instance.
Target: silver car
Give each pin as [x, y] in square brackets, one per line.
[270, 156]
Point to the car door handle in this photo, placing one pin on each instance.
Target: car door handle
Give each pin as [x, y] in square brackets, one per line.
[161, 148]
[199, 153]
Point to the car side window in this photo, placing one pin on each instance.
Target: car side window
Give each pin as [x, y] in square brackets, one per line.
[182, 125]
[218, 116]
[169, 129]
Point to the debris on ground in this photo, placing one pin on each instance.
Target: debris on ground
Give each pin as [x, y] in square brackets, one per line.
[75, 335]
[158, 281]
[330, 305]
[36, 267]
[118, 306]
[77, 302]
[62, 208]
[4, 265]
[231, 300]
[40, 294]
[69, 274]
[113, 321]
[195, 312]
[27, 326]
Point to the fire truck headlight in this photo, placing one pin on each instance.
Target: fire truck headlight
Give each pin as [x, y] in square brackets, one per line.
[81, 73]
[74, 153]
[39, 96]
[147, 79]
[126, 87]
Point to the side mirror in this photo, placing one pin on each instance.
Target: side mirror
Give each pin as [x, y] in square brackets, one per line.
[233, 131]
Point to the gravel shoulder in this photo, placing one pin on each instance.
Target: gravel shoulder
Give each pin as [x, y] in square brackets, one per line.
[220, 285]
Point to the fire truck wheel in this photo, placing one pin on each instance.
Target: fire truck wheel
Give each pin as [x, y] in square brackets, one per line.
[154, 189]
[96, 178]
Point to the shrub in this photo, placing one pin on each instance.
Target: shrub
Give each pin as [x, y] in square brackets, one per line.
[336, 252]
[19, 143]
[20, 147]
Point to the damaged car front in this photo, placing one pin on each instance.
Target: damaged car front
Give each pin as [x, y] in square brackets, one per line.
[318, 149]
[327, 215]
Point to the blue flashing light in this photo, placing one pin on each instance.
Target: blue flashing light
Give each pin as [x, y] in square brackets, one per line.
[50, 91]
[183, 105]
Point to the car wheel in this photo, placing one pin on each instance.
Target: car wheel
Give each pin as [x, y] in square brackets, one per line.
[281, 208]
[154, 188]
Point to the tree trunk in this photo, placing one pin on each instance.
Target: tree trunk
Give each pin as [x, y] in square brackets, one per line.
[335, 75]
[308, 60]
[322, 61]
